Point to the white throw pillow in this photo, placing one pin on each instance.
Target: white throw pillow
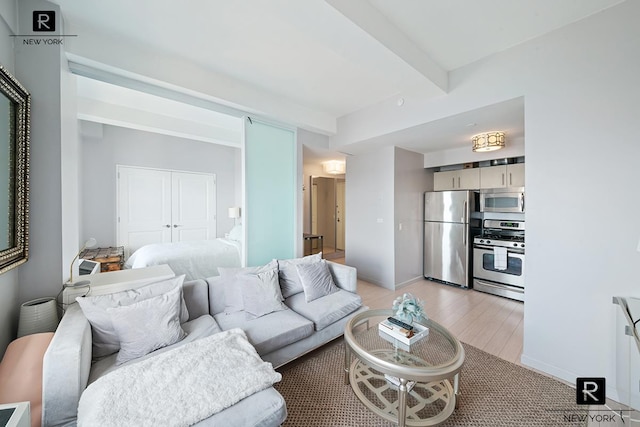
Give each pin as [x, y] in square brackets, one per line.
[233, 277]
[236, 233]
[261, 293]
[147, 325]
[104, 337]
[316, 280]
[289, 277]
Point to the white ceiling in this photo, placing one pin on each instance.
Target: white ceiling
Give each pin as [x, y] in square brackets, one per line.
[333, 57]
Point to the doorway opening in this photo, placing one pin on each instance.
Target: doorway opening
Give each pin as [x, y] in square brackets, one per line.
[328, 214]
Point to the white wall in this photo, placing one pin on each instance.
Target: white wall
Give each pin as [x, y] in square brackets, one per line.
[9, 280]
[370, 216]
[581, 128]
[39, 69]
[105, 146]
[411, 181]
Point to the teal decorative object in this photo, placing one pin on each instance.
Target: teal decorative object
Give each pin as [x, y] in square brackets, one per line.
[409, 309]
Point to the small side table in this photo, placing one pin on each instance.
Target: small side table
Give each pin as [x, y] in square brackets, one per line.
[110, 259]
[313, 243]
[15, 414]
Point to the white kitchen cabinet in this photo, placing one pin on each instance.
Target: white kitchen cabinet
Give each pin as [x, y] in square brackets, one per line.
[462, 179]
[502, 176]
[493, 177]
[515, 175]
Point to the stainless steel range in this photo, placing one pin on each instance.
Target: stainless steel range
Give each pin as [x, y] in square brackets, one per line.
[498, 259]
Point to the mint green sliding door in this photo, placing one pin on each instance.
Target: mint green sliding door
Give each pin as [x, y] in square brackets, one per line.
[270, 197]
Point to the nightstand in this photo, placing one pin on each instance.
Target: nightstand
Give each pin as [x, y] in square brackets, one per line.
[110, 259]
[15, 414]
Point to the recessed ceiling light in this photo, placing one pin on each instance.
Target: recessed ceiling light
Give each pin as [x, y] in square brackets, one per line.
[470, 125]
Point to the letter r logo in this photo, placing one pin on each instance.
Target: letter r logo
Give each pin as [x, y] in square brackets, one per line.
[591, 391]
[44, 20]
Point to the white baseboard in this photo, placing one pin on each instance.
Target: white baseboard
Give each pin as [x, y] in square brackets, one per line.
[564, 375]
[408, 282]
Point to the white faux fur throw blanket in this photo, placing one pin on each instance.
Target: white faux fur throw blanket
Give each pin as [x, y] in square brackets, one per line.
[179, 387]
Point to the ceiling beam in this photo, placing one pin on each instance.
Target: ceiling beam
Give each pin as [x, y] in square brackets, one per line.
[373, 22]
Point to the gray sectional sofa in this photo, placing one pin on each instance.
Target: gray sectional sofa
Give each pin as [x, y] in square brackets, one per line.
[300, 325]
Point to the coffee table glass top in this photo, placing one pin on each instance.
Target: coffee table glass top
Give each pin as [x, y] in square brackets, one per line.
[437, 355]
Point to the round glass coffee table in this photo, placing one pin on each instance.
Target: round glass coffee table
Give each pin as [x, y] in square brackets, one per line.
[414, 385]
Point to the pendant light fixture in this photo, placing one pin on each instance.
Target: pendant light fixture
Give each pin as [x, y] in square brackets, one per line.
[488, 141]
[334, 167]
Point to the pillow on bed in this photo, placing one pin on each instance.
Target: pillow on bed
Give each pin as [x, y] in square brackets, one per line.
[233, 279]
[261, 293]
[147, 325]
[236, 233]
[104, 337]
[316, 280]
[289, 277]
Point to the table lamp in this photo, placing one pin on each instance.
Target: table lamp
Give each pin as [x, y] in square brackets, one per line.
[88, 244]
[235, 214]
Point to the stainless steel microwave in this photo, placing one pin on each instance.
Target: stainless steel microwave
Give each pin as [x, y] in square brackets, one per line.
[506, 200]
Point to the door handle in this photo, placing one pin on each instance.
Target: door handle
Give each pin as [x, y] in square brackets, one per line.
[176, 225]
[167, 226]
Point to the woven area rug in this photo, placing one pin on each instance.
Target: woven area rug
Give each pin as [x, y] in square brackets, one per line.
[494, 393]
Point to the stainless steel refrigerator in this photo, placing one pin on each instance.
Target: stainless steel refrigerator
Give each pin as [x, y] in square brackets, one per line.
[447, 239]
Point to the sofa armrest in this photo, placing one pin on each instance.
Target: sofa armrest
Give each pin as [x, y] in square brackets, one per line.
[346, 277]
[65, 368]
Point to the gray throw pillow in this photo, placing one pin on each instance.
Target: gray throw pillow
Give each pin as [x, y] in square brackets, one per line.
[289, 278]
[316, 280]
[261, 293]
[233, 279]
[104, 338]
[147, 325]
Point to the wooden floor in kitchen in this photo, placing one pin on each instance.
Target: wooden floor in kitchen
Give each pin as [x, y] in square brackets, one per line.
[488, 322]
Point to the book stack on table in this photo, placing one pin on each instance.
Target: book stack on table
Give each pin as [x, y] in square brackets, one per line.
[406, 334]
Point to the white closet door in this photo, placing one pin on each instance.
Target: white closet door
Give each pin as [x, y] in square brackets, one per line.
[193, 207]
[144, 207]
[160, 206]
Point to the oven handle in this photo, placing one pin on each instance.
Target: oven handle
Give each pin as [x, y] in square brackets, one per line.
[509, 250]
[510, 287]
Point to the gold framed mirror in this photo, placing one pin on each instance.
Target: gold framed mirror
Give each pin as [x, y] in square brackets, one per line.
[15, 114]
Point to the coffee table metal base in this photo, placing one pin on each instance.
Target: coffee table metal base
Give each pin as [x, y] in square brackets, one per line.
[425, 404]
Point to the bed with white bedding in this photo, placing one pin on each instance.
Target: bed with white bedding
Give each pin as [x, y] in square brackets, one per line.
[197, 260]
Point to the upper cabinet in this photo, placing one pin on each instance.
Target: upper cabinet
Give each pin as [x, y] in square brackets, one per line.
[515, 175]
[462, 179]
[502, 176]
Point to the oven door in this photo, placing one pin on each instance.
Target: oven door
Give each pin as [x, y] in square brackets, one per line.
[484, 268]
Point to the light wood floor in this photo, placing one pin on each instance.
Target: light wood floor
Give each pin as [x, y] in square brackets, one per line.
[488, 322]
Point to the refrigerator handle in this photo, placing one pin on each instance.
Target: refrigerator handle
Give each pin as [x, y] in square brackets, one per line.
[464, 213]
